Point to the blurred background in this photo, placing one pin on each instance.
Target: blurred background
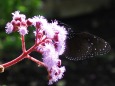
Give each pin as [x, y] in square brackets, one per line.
[94, 16]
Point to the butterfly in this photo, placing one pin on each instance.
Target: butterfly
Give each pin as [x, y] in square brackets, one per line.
[84, 45]
[80, 46]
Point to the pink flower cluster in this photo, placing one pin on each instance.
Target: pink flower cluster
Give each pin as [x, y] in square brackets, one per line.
[49, 38]
[18, 23]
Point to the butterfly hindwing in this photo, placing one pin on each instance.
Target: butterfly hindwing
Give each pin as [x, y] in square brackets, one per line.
[84, 45]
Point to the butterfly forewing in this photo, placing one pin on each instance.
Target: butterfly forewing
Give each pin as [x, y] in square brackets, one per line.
[84, 45]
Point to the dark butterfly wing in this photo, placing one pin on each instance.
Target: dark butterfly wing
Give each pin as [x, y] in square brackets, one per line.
[84, 45]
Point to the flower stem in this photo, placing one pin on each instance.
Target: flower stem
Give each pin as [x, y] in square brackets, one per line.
[18, 59]
[23, 43]
[25, 54]
[36, 61]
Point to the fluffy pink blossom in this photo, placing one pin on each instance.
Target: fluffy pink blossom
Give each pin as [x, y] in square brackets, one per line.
[51, 50]
[56, 73]
[23, 30]
[52, 61]
[18, 23]
[17, 15]
[39, 19]
[60, 37]
[9, 28]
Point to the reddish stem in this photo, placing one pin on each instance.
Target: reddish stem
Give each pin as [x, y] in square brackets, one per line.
[36, 36]
[10, 63]
[18, 59]
[23, 43]
[36, 61]
[22, 56]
